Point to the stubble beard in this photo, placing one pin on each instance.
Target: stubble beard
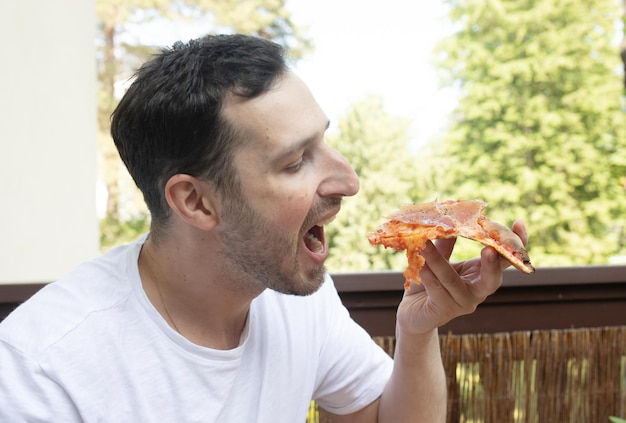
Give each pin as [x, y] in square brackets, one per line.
[261, 257]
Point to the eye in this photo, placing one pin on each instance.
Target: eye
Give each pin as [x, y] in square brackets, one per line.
[296, 166]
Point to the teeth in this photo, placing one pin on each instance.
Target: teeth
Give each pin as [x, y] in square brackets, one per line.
[314, 244]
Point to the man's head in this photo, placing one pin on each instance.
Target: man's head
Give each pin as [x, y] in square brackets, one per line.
[170, 120]
[223, 135]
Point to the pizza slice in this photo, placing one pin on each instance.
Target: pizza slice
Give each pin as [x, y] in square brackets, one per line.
[413, 225]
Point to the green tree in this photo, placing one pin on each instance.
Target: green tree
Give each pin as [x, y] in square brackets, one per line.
[118, 56]
[539, 132]
[376, 144]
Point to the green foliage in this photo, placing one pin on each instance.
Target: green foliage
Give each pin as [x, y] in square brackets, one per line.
[616, 420]
[375, 143]
[265, 18]
[120, 231]
[540, 132]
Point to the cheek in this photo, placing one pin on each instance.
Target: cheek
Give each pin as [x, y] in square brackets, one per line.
[285, 202]
[293, 210]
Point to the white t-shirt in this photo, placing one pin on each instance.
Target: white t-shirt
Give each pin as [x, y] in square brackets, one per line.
[91, 347]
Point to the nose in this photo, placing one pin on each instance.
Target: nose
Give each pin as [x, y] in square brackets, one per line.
[341, 179]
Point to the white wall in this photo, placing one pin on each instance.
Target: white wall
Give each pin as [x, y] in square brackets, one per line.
[48, 220]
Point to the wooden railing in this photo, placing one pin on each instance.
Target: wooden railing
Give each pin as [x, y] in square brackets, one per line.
[12, 295]
[551, 298]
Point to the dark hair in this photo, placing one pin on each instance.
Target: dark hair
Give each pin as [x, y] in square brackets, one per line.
[169, 121]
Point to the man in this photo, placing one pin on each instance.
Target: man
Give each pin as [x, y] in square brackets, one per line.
[224, 311]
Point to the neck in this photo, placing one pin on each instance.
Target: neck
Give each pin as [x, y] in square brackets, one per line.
[205, 312]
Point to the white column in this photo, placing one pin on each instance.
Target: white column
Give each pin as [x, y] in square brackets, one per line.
[48, 221]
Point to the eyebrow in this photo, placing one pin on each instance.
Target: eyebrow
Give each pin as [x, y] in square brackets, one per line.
[293, 149]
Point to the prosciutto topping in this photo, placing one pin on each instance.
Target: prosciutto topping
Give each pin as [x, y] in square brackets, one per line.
[413, 225]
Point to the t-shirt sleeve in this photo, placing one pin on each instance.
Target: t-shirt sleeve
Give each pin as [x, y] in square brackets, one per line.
[27, 394]
[353, 369]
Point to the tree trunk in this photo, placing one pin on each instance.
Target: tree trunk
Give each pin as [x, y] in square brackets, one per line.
[623, 46]
[110, 157]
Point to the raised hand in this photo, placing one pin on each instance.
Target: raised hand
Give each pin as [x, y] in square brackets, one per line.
[449, 290]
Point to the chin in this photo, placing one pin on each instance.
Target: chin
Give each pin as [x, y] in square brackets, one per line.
[305, 285]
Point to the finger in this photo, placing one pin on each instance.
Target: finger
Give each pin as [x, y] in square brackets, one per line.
[445, 287]
[445, 246]
[520, 229]
[438, 268]
[436, 290]
[491, 267]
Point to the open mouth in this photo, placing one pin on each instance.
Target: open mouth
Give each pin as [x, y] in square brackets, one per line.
[314, 239]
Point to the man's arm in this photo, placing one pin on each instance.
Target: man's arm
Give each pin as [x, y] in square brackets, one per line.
[416, 391]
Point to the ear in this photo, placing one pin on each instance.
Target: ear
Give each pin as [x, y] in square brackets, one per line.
[193, 200]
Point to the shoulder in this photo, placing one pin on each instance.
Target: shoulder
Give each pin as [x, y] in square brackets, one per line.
[62, 306]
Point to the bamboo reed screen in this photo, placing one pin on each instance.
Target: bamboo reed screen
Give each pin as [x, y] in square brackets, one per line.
[548, 376]
[576, 375]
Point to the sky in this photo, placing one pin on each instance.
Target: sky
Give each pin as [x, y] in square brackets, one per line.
[363, 47]
[384, 48]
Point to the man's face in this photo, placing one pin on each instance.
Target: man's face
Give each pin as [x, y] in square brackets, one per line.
[292, 183]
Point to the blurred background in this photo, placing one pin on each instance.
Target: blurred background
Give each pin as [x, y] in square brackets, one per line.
[518, 103]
